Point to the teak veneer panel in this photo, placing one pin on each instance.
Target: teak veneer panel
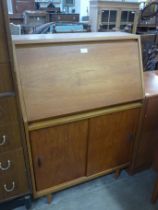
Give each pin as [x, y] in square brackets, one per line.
[65, 78]
[110, 140]
[59, 154]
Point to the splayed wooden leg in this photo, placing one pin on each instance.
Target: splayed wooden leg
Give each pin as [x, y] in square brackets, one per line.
[49, 198]
[155, 193]
[117, 173]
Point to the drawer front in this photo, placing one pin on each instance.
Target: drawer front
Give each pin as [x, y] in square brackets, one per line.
[5, 78]
[3, 39]
[9, 137]
[8, 111]
[13, 181]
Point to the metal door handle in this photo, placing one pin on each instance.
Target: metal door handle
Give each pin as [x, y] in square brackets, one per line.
[9, 189]
[3, 140]
[7, 167]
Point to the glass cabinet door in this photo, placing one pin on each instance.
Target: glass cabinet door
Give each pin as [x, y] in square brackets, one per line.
[108, 20]
[127, 20]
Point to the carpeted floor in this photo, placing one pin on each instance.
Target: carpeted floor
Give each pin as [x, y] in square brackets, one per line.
[105, 193]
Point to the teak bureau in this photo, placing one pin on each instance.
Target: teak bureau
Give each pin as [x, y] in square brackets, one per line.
[81, 96]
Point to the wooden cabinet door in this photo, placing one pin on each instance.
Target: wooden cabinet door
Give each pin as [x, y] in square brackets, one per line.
[148, 139]
[59, 154]
[110, 140]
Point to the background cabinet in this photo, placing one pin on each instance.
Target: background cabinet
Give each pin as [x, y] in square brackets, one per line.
[53, 17]
[114, 15]
[35, 18]
[19, 6]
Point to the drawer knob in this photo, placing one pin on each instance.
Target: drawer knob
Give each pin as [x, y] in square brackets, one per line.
[11, 189]
[7, 167]
[3, 140]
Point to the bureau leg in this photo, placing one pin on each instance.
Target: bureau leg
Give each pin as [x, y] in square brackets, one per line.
[155, 193]
[49, 198]
[117, 173]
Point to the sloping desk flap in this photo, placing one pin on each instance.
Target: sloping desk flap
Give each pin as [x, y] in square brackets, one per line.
[65, 74]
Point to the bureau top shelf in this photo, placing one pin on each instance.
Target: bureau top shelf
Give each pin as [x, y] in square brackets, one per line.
[70, 37]
[70, 73]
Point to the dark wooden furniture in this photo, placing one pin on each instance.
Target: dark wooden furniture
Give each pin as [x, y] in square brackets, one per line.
[76, 111]
[13, 175]
[19, 6]
[17, 19]
[34, 18]
[61, 17]
[148, 130]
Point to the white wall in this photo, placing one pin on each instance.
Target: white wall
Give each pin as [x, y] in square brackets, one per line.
[10, 7]
[77, 6]
[84, 9]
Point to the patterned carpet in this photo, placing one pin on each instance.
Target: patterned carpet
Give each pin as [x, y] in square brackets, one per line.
[105, 193]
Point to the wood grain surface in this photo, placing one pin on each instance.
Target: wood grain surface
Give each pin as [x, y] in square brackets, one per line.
[66, 78]
[59, 154]
[111, 138]
[151, 83]
[71, 37]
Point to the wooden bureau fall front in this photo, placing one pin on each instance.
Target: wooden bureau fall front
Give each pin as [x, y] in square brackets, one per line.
[81, 96]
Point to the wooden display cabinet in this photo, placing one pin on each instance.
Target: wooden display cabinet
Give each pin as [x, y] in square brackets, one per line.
[113, 15]
[80, 122]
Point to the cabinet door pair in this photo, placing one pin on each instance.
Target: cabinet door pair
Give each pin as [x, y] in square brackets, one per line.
[68, 152]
